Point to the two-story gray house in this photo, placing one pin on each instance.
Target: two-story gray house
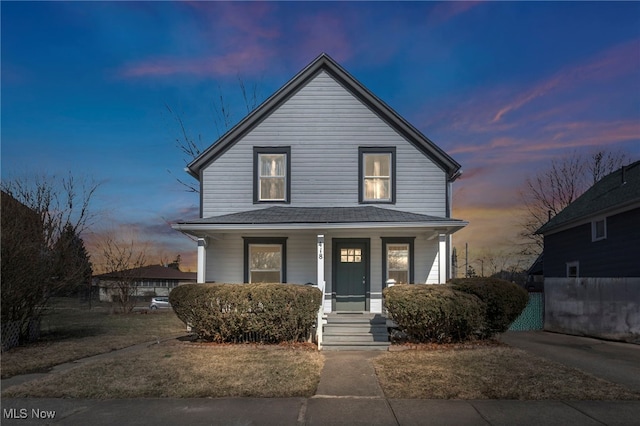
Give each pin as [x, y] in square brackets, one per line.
[323, 183]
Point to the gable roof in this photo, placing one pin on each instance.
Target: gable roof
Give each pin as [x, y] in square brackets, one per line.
[617, 190]
[152, 272]
[327, 64]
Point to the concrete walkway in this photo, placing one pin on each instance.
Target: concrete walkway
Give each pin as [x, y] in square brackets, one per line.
[348, 394]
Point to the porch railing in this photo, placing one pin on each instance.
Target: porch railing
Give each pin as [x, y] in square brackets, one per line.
[320, 319]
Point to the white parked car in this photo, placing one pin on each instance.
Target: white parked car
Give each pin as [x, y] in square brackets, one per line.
[159, 303]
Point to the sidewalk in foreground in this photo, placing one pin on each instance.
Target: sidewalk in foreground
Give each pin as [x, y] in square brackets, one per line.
[349, 394]
[316, 411]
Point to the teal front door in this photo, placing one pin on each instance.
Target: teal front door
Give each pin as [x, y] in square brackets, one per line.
[350, 263]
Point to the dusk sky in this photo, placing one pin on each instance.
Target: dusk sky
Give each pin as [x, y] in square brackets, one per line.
[502, 87]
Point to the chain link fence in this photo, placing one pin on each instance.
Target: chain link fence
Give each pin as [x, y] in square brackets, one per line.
[12, 330]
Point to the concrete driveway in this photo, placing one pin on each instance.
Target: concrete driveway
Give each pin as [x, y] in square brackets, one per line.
[613, 361]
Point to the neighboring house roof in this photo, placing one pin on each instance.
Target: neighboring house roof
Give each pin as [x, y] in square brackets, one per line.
[327, 64]
[537, 268]
[153, 272]
[619, 190]
[292, 216]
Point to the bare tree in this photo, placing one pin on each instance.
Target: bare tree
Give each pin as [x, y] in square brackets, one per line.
[505, 264]
[188, 146]
[121, 261]
[223, 119]
[554, 188]
[42, 218]
[601, 163]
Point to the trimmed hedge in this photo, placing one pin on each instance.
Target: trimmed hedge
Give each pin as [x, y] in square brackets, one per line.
[229, 312]
[503, 301]
[434, 313]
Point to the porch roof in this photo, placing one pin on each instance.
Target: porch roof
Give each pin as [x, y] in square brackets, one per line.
[320, 217]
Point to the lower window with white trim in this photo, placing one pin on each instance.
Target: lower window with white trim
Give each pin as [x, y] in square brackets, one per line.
[397, 261]
[599, 229]
[265, 260]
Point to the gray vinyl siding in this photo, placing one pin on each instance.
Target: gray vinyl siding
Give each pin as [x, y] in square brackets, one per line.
[225, 260]
[324, 125]
[225, 257]
[615, 256]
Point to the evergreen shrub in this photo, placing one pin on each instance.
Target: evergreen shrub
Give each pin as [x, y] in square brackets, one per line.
[266, 312]
[434, 313]
[503, 301]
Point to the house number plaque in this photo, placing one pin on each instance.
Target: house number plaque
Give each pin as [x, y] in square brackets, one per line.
[320, 247]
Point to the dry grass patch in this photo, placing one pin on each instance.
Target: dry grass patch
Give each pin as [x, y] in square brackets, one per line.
[71, 333]
[488, 373]
[181, 371]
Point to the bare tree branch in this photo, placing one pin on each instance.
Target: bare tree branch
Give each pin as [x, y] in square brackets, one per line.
[42, 253]
[223, 120]
[121, 260]
[553, 189]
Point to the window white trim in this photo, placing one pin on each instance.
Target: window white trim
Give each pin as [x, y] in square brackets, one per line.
[404, 247]
[380, 182]
[277, 172]
[379, 179]
[252, 242]
[599, 229]
[408, 242]
[253, 247]
[573, 269]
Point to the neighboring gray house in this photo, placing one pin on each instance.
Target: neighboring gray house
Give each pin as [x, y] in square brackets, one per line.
[152, 280]
[592, 260]
[324, 183]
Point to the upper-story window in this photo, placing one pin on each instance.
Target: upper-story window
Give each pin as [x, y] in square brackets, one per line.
[599, 229]
[377, 170]
[272, 174]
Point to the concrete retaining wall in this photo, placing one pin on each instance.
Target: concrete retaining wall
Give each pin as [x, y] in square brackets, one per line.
[608, 308]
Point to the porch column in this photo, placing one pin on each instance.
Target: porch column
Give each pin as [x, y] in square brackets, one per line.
[202, 260]
[321, 283]
[442, 258]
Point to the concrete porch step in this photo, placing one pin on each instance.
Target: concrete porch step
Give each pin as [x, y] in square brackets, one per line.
[354, 328]
[356, 338]
[355, 346]
[355, 331]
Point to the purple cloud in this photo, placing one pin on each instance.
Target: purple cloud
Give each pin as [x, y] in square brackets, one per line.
[610, 64]
[247, 58]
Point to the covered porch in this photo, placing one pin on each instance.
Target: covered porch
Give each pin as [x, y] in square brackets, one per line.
[348, 252]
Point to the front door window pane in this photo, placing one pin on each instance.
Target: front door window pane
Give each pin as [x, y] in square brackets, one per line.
[265, 263]
[350, 255]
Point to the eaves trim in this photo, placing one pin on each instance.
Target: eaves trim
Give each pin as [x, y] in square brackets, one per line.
[612, 211]
[317, 225]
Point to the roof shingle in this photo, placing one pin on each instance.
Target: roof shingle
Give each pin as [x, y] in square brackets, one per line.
[320, 215]
[610, 192]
